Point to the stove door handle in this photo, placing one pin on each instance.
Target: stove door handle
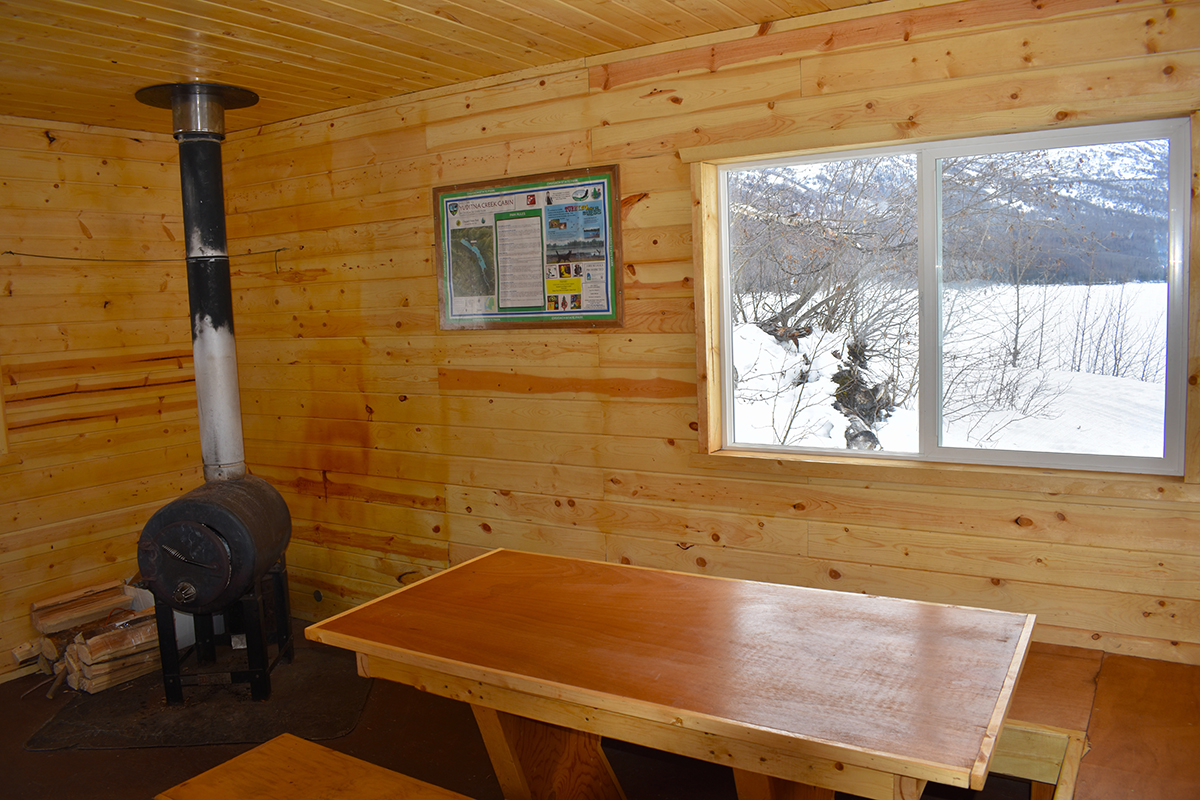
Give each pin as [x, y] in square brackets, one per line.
[171, 551]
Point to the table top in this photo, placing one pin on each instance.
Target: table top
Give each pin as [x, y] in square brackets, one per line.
[873, 680]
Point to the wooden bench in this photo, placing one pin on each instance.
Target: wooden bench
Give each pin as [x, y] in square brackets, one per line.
[1140, 717]
[296, 769]
[1046, 756]
[1046, 734]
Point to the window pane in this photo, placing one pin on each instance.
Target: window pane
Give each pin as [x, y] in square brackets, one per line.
[1054, 299]
[823, 304]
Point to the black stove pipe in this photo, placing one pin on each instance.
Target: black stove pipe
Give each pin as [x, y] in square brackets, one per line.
[198, 112]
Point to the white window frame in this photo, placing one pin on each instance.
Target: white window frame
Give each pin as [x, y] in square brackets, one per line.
[1178, 130]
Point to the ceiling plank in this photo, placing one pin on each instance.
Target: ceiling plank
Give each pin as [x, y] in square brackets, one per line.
[80, 61]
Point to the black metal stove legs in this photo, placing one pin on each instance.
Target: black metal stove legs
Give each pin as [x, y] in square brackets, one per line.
[246, 627]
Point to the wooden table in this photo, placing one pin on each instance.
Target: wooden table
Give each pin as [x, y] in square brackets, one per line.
[801, 691]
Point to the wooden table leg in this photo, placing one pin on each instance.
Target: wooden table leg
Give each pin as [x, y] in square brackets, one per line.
[539, 761]
[753, 786]
[908, 788]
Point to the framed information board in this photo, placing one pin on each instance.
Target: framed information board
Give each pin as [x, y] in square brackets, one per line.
[539, 251]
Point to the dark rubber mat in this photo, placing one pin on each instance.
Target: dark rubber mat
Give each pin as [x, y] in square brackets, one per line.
[318, 696]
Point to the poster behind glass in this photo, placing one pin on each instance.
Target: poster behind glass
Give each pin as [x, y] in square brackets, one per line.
[538, 251]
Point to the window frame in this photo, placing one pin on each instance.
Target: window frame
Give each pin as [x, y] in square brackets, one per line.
[714, 321]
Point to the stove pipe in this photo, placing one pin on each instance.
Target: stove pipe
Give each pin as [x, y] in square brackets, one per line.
[198, 112]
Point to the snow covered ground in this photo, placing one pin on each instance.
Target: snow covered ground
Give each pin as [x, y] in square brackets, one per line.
[784, 392]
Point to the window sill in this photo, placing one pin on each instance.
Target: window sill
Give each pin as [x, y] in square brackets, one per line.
[1024, 480]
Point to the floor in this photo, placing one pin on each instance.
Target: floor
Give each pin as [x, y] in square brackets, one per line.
[1143, 719]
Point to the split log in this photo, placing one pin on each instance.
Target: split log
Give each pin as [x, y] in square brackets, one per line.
[80, 607]
[78, 594]
[148, 656]
[101, 682]
[106, 655]
[54, 645]
[70, 659]
[27, 653]
[74, 664]
[124, 637]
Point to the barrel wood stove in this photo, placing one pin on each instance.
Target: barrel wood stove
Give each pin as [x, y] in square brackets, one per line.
[212, 550]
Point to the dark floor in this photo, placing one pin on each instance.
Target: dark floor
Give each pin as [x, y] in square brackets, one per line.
[402, 729]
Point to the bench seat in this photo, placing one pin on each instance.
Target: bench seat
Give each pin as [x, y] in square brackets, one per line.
[296, 769]
[1045, 737]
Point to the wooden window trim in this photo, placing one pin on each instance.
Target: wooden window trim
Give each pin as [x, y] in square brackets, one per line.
[714, 455]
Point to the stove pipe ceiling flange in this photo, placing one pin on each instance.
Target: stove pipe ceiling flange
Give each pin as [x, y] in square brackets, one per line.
[198, 115]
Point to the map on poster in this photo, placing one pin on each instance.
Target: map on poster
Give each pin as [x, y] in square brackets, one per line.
[531, 252]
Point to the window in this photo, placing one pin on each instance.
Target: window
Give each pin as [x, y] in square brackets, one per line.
[1011, 300]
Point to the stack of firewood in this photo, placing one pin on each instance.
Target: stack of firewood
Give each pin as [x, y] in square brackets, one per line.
[92, 638]
[113, 653]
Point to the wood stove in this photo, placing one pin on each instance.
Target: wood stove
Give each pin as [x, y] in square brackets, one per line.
[212, 550]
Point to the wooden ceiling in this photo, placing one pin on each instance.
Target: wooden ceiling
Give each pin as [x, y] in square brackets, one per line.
[82, 60]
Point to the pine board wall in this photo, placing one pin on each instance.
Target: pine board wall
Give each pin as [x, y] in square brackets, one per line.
[95, 358]
[401, 449]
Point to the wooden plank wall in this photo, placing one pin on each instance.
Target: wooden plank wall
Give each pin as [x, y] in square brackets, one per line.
[400, 448]
[95, 357]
